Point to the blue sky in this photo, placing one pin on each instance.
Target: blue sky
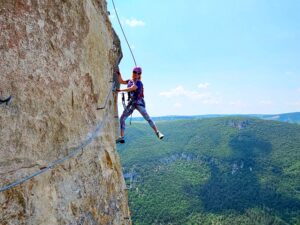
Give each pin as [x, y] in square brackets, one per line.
[213, 56]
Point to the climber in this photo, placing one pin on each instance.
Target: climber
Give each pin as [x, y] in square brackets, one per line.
[7, 100]
[136, 101]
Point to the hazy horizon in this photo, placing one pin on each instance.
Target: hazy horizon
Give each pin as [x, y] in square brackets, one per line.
[242, 114]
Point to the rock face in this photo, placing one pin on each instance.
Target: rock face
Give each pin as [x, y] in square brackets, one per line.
[239, 124]
[56, 61]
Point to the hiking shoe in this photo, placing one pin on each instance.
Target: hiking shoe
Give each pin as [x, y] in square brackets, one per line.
[159, 135]
[120, 140]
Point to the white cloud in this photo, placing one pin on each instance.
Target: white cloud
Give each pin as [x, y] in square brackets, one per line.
[203, 85]
[179, 91]
[178, 105]
[238, 103]
[298, 90]
[297, 104]
[134, 22]
[211, 101]
[266, 102]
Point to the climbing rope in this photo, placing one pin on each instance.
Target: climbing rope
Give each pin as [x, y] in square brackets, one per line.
[74, 152]
[123, 32]
[127, 45]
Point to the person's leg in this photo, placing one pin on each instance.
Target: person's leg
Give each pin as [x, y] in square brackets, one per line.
[126, 113]
[146, 116]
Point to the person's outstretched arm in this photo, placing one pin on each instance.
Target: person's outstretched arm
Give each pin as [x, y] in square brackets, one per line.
[132, 88]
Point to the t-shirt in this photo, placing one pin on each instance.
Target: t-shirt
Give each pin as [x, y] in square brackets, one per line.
[139, 92]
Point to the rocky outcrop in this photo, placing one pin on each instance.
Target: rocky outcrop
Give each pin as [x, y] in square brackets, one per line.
[56, 61]
[239, 124]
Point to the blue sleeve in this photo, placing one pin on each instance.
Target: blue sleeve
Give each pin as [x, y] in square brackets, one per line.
[139, 84]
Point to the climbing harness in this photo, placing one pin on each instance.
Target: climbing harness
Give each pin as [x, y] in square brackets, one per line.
[6, 101]
[129, 104]
[123, 100]
[124, 32]
[74, 151]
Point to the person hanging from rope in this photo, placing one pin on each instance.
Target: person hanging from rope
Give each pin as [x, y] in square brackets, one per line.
[136, 101]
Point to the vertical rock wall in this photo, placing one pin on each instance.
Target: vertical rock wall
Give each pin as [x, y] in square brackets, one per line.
[56, 60]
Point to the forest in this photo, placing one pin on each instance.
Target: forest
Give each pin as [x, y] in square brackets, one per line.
[225, 170]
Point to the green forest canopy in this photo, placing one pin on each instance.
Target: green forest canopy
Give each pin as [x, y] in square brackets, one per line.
[230, 170]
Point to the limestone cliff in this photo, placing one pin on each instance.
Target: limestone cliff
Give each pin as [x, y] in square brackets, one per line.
[56, 61]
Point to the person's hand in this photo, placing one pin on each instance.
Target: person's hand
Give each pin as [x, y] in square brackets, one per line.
[118, 90]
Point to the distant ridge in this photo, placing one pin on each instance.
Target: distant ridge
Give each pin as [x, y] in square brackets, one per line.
[285, 117]
[293, 117]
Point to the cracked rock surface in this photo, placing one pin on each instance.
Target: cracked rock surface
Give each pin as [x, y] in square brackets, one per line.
[56, 61]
